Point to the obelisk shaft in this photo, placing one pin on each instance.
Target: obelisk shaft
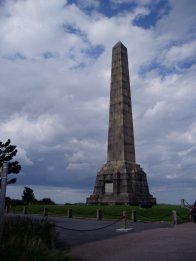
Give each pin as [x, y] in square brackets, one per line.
[121, 180]
[120, 135]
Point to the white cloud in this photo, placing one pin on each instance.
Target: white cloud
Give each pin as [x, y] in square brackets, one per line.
[55, 107]
[99, 105]
[178, 24]
[34, 131]
[180, 54]
[157, 108]
[86, 153]
[23, 158]
[30, 27]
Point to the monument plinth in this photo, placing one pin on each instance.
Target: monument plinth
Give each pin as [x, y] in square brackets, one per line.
[121, 180]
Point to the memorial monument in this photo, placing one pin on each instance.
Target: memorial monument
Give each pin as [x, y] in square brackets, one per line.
[121, 180]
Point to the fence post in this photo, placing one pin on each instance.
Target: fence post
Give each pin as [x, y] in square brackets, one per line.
[125, 219]
[98, 214]
[134, 216]
[69, 213]
[45, 212]
[25, 210]
[8, 208]
[3, 175]
[182, 203]
[174, 217]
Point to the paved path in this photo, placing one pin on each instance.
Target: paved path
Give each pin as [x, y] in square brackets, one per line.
[73, 232]
[162, 244]
[81, 234]
[144, 242]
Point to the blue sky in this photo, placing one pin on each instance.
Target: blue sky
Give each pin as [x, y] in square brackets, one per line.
[55, 59]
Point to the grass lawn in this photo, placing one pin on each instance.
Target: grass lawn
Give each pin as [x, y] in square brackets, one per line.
[161, 212]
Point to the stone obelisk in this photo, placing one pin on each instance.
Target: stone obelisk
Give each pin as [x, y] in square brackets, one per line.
[121, 180]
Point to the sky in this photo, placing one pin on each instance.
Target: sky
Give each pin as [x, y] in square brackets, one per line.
[55, 67]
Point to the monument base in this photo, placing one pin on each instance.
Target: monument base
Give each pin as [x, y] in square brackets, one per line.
[121, 182]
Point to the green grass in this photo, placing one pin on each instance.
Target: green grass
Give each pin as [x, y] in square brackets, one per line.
[32, 240]
[161, 212]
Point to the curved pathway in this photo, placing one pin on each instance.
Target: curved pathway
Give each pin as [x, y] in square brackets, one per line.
[176, 243]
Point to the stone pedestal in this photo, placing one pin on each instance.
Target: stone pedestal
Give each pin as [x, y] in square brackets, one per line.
[121, 183]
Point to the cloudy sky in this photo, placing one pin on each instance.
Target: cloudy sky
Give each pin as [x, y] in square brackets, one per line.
[55, 61]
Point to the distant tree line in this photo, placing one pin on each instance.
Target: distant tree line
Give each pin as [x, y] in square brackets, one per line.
[28, 197]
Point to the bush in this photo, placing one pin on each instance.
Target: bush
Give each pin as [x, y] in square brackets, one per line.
[27, 239]
[46, 201]
[15, 202]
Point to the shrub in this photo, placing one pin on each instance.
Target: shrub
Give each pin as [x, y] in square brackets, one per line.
[46, 201]
[29, 239]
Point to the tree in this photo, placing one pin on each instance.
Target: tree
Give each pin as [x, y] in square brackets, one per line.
[7, 152]
[46, 201]
[28, 195]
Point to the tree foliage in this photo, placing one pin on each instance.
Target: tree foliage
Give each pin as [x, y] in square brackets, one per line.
[7, 152]
[46, 201]
[28, 195]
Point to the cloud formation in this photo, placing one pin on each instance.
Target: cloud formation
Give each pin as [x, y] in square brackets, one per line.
[55, 60]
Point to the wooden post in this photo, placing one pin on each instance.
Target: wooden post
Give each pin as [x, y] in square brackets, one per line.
[174, 217]
[134, 216]
[125, 219]
[3, 172]
[69, 213]
[25, 210]
[45, 212]
[98, 214]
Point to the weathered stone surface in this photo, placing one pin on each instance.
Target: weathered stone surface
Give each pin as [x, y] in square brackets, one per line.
[120, 134]
[120, 180]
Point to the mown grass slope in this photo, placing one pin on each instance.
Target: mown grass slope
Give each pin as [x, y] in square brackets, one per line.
[161, 212]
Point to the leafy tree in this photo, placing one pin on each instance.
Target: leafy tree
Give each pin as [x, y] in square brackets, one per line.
[28, 195]
[7, 152]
